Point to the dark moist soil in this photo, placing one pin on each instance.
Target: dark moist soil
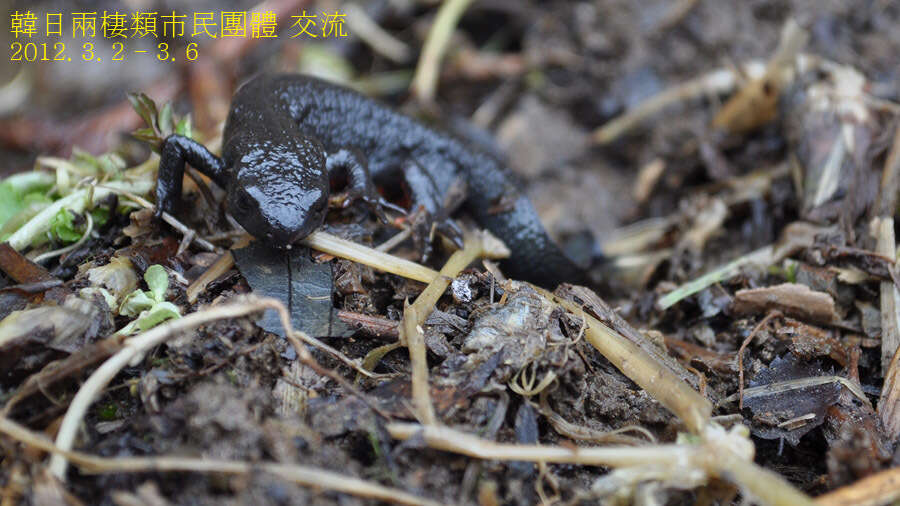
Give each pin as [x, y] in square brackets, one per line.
[231, 390]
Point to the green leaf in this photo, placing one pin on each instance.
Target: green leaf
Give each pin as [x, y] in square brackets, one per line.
[154, 316]
[135, 303]
[160, 123]
[62, 227]
[184, 127]
[89, 291]
[791, 271]
[145, 107]
[86, 162]
[111, 163]
[128, 329]
[158, 314]
[166, 125]
[100, 216]
[10, 202]
[14, 198]
[144, 132]
[33, 203]
[36, 198]
[158, 281]
[146, 135]
[108, 412]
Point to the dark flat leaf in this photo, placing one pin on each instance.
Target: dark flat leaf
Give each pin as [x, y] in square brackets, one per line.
[302, 285]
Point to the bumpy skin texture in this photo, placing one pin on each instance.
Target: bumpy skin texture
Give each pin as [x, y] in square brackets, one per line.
[277, 139]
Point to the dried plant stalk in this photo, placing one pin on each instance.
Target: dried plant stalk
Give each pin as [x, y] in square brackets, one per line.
[727, 455]
[477, 245]
[658, 380]
[343, 248]
[302, 475]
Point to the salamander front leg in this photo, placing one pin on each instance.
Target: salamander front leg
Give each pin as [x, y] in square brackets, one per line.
[359, 183]
[176, 150]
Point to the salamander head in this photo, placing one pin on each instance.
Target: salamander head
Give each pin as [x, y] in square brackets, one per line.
[278, 194]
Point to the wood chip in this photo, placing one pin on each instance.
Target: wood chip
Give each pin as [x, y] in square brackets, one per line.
[789, 298]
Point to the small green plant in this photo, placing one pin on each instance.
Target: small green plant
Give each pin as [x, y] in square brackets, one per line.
[150, 308]
[108, 412]
[787, 270]
[63, 227]
[41, 205]
[161, 123]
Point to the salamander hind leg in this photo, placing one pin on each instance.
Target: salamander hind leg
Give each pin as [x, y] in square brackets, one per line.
[352, 164]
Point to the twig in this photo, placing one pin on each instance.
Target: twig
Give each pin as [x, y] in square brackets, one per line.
[33, 288]
[740, 354]
[727, 455]
[889, 295]
[412, 334]
[132, 350]
[454, 441]
[333, 245]
[20, 269]
[794, 237]
[168, 218]
[479, 244]
[800, 383]
[302, 475]
[295, 337]
[765, 485]
[222, 265]
[426, 77]
[715, 82]
[875, 490]
[889, 402]
[395, 240]
[656, 378]
[761, 256]
[890, 180]
[578, 432]
[377, 326]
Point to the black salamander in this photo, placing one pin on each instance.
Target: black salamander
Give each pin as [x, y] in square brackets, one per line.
[286, 135]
